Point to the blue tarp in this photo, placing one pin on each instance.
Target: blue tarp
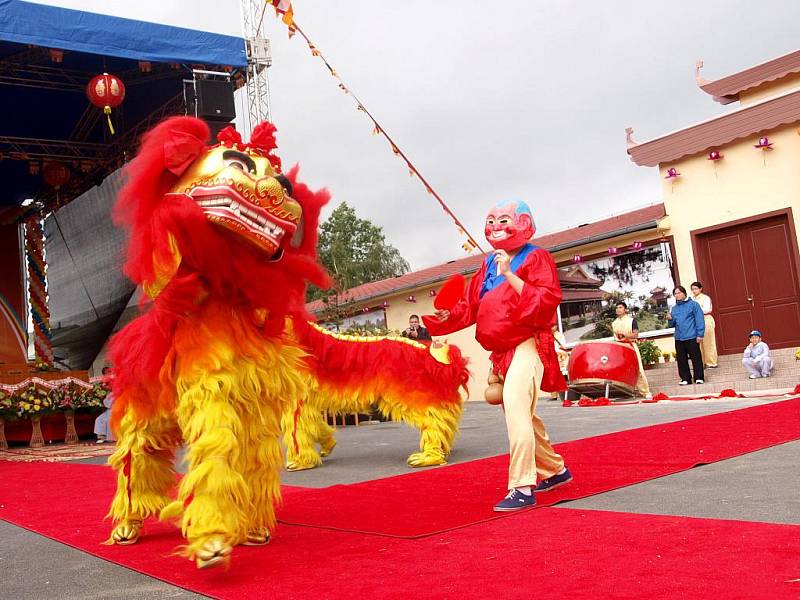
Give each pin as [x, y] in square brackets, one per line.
[67, 29]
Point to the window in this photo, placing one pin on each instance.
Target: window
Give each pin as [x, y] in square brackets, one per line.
[643, 279]
[374, 319]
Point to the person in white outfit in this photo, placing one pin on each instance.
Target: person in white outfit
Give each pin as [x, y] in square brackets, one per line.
[102, 425]
[756, 357]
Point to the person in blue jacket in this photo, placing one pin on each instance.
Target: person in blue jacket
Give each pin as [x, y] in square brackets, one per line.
[690, 327]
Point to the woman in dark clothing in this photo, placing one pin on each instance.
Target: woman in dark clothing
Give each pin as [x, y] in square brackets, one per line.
[687, 319]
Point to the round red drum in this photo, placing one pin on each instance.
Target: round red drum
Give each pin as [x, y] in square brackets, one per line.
[593, 363]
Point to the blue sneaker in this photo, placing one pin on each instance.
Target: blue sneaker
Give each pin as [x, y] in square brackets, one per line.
[553, 482]
[515, 501]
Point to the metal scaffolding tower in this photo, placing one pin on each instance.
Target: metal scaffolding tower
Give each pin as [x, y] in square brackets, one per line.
[259, 60]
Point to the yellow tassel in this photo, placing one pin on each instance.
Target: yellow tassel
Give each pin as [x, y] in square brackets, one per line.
[107, 111]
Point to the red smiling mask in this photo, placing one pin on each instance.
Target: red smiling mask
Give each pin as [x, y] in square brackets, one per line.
[509, 225]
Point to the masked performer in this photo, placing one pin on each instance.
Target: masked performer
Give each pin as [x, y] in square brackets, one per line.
[513, 299]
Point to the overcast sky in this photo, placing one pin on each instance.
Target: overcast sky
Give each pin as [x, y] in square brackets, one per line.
[529, 100]
[491, 100]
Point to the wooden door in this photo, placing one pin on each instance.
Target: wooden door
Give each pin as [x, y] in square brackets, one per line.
[750, 272]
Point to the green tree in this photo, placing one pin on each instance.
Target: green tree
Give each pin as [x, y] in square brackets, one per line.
[354, 251]
[626, 268]
[602, 327]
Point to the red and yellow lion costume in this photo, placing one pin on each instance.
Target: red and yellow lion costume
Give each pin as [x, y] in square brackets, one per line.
[405, 380]
[223, 245]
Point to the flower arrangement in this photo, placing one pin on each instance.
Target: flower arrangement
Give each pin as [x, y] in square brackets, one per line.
[91, 400]
[36, 401]
[33, 401]
[73, 397]
[8, 407]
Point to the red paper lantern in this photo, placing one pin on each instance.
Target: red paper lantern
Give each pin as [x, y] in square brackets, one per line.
[714, 155]
[577, 259]
[613, 250]
[55, 174]
[106, 91]
[672, 173]
[411, 298]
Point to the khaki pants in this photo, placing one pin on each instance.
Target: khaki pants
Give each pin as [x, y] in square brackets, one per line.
[642, 385]
[709, 346]
[529, 445]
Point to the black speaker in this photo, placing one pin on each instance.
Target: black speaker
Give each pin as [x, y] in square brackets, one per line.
[214, 127]
[215, 100]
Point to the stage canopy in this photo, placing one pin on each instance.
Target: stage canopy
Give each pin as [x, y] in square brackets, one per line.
[49, 53]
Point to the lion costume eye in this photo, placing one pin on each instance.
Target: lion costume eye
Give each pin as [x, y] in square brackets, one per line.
[239, 160]
[490, 221]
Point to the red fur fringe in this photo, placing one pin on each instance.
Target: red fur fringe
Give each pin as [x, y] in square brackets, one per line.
[386, 365]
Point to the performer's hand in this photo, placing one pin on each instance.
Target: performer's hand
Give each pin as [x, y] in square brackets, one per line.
[443, 314]
[700, 339]
[669, 316]
[503, 261]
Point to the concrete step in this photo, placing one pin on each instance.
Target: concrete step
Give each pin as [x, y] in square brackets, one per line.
[783, 357]
[719, 374]
[766, 385]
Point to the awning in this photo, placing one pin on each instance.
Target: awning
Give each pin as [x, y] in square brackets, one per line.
[67, 29]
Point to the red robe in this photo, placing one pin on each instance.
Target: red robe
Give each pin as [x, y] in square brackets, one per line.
[505, 318]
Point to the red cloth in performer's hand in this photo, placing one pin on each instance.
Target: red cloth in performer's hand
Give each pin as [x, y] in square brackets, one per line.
[451, 293]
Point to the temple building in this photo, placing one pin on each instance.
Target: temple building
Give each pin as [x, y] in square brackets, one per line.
[730, 187]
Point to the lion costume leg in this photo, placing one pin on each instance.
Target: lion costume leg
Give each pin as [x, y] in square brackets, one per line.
[304, 427]
[261, 459]
[143, 461]
[300, 435]
[326, 435]
[214, 497]
[437, 424]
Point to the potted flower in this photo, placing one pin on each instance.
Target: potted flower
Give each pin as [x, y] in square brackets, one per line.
[33, 403]
[8, 412]
[649, 353]
[67, 398]
[90, 401]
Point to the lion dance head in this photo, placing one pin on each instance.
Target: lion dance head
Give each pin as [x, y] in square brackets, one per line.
[218, 222]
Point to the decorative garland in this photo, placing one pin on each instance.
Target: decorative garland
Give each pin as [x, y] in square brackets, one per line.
[283, 8]
[37, 290]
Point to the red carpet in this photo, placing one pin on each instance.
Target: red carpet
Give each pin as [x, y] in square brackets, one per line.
[541, 553]
[436, 500]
